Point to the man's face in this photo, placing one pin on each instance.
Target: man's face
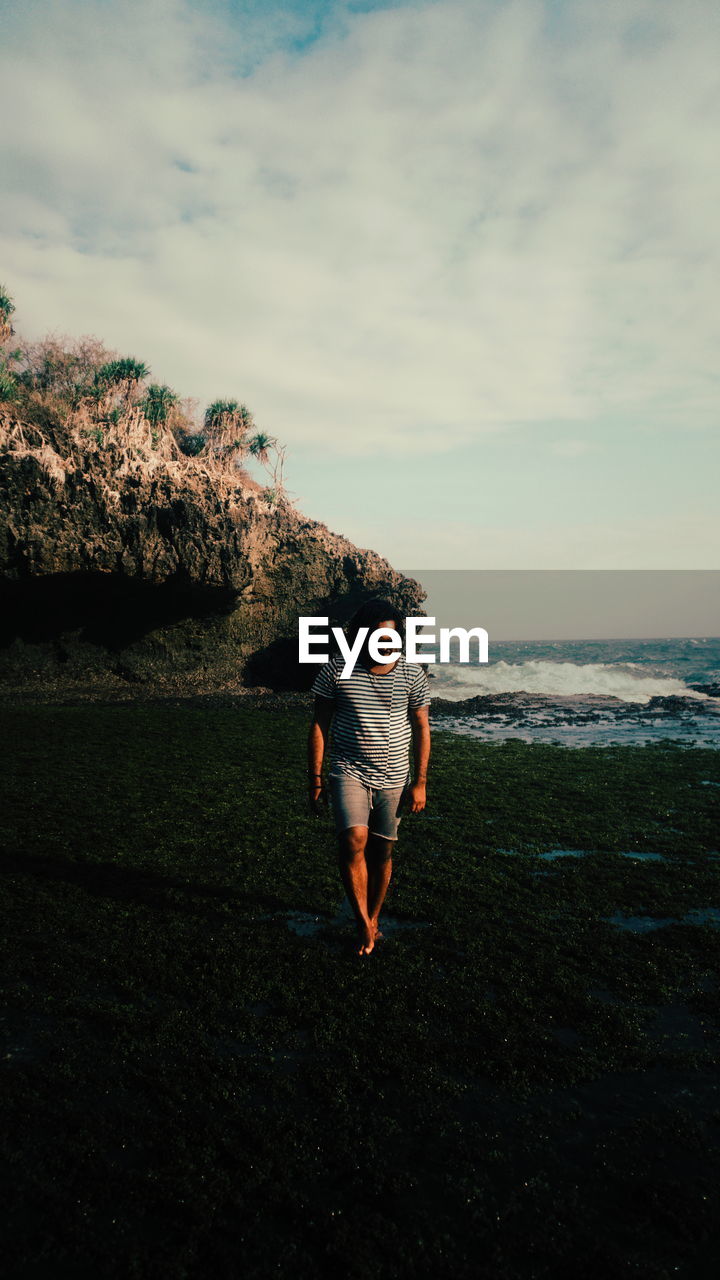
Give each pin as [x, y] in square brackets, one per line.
[391, 654]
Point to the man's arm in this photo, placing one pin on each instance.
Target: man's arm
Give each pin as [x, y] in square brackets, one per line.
[317, 742]
[420, 720]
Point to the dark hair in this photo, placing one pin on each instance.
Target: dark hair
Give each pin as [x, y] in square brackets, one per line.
[371, 614]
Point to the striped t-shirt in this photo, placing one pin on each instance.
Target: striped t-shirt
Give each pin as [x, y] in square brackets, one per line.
[371, 728]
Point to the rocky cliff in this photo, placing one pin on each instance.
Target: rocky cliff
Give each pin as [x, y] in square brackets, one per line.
[120, 555]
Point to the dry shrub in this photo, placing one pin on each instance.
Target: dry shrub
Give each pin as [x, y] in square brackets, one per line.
[64, 366]
[183, 417]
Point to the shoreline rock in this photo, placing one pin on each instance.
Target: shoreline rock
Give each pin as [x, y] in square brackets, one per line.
[153, 568]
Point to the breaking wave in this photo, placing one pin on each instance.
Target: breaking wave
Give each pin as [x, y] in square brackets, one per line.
[626, 682]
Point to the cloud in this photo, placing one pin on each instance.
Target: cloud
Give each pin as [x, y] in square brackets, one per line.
[572, 448]
[426, 223]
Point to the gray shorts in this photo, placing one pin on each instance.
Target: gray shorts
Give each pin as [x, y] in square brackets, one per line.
[356, 805]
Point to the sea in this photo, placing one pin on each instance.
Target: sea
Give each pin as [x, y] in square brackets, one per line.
[584, 692]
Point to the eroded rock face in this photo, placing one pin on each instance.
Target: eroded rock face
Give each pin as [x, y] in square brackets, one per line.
[150, 568]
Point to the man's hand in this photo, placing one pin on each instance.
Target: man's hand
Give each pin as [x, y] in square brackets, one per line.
[316, 796]
[420, 720]
[317, 741]
[417, 797]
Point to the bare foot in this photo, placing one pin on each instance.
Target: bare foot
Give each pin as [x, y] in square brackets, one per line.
[378, 934]
[366, 938]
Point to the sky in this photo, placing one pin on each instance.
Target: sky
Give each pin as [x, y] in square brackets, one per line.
[461, 256]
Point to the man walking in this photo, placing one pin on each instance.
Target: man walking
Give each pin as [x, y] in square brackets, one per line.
[374, 714]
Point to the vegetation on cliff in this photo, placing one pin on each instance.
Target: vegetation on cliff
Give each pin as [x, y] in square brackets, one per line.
[107, 399]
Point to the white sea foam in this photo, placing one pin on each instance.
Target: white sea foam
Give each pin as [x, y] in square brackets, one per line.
[559, 680]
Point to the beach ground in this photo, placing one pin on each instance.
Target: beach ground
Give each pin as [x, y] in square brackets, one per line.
[201, 1077]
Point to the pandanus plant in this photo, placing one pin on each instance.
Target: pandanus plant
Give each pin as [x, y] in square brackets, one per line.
[227, 424]
[122, 375]
[260, 445]
[8, 383]
[157, 403]
[271, 454]
[7, 306]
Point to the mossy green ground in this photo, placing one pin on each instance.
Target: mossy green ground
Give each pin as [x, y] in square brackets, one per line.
[190, 1088]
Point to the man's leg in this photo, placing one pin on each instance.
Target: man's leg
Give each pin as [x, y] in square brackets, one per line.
[378, 855]
[387, 804]
[354, 873]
